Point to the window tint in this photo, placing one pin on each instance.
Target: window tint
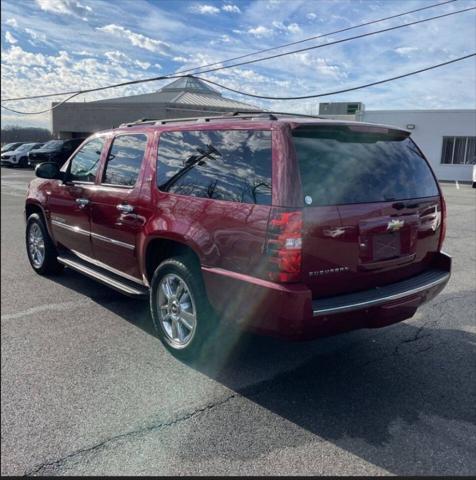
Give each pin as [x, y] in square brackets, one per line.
[233, 165]
[341, 166]
[125, 159]
[85, 163]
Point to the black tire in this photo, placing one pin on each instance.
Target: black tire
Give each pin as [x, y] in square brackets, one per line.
[49, 265]
[23, 163]
[188, 272]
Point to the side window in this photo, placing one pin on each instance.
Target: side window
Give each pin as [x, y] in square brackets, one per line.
[232, 165]
[124, 160]
[85, 163]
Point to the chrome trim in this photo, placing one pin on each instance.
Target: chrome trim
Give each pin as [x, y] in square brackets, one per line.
[379, 301]
[71, 228]
[113, 241]
[97, 263]
[76, 229]
[129, 290]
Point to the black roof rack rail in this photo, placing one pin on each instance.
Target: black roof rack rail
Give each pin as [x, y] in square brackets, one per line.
[270, 115]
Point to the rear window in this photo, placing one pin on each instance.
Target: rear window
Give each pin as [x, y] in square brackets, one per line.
[345, 165]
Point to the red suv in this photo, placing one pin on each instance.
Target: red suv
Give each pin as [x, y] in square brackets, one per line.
[287, 226]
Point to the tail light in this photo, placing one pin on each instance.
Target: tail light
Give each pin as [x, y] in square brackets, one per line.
[443, 223]
[284, 246]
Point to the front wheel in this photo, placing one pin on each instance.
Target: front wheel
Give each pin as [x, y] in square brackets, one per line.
[180, 311]
[40, 248]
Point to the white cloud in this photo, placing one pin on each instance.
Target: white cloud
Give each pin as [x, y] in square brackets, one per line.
[230, 8]
[311, 16]
[35, 35]
[9, 38]
[143, 65]
[260, 31]
[12, 22]
[406, 50]
[205, 9]
[65, 7]
[17, 56]
[137, 39]
[291, 28]
[117, 57]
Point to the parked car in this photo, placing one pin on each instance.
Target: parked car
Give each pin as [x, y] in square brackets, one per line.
[286, 226]
[56, 151]
[19, 157]
[11, 146]
[474, 176]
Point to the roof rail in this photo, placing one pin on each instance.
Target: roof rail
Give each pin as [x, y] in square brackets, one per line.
[238, 115]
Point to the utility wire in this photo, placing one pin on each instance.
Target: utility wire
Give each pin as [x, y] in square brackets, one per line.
[247, 55]
[351, 89]
[317, 95]
[371, 22]
[335, 42]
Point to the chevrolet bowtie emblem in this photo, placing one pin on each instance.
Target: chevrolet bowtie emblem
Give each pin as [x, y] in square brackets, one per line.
[395, 225]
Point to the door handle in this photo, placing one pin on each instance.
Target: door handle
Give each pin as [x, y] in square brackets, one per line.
[125, 208]
[82, 202]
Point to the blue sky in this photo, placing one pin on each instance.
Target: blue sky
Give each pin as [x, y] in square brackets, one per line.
[55, 45]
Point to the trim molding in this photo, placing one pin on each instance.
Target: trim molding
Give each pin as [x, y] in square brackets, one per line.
[96, 236]
[70, 228]
[113, 241]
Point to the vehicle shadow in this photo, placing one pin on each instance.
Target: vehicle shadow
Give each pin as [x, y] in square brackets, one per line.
[401, 398]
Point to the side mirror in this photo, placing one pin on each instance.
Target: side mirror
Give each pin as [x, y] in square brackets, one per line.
[48, 170]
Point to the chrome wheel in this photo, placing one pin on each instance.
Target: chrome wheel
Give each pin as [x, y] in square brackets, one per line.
[176, 311]
[36, 245]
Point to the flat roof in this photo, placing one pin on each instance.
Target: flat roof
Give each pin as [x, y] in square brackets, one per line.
[460, 110]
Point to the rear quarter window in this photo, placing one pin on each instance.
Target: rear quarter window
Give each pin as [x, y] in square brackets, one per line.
[342, 166]
[236, 167]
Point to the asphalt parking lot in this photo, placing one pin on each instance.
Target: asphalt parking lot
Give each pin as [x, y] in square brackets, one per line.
[87, 389]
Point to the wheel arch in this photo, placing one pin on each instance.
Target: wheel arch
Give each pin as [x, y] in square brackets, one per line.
[35, 207]
[159, 248]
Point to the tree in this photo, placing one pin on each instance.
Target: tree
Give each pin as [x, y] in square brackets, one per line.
[15, 133]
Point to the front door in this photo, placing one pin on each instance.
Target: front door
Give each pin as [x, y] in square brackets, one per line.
[117, 215]
[69, 201]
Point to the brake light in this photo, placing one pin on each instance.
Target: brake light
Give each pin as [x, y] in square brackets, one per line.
[443, 223]
[284, 246]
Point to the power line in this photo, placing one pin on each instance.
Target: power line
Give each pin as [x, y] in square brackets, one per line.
[263, 97]
[335, 42]
[371, 22]
[351, 89]
[252, 54]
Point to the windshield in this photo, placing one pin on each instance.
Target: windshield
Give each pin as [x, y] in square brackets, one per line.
[345, 165]
[52, 144]
[25, 146]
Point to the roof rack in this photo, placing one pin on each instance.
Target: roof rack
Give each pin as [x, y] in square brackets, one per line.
[238, 115]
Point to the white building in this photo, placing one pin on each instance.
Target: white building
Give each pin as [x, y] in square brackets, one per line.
[446, 137]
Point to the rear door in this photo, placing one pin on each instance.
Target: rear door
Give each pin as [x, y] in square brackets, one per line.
[373, 208]
[117, 213]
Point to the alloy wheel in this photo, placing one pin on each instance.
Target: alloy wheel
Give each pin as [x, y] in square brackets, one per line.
[176, 311]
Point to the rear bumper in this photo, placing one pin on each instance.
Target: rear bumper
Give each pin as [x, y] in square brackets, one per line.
[288, 310]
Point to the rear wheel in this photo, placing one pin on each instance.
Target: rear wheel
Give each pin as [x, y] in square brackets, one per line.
[180, 311]
[40, 248]
[23, 163]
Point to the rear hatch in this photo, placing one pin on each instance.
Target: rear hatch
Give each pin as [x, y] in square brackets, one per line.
[373, 208]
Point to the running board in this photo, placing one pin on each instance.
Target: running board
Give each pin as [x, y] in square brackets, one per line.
[107, 278]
